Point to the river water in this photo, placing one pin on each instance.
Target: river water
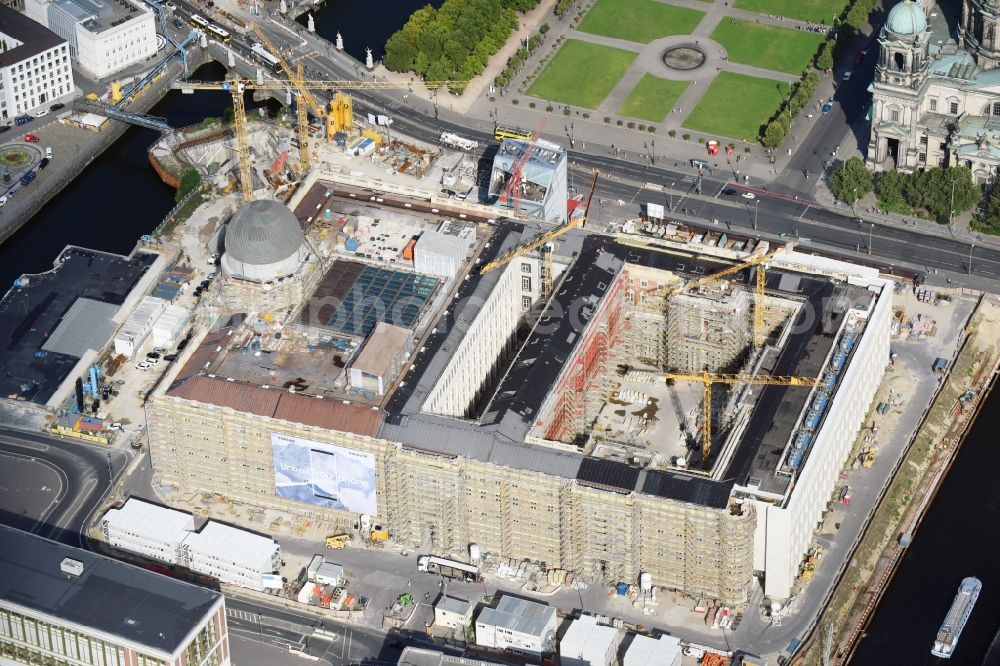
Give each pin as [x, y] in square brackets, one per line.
[959, 537]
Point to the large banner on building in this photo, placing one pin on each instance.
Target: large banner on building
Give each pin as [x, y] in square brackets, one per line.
[324, 475]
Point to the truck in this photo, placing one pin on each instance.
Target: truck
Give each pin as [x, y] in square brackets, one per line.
[455, 141]
[449, 568]
[28, 177]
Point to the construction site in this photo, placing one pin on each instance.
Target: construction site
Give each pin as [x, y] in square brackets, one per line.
[375, 350]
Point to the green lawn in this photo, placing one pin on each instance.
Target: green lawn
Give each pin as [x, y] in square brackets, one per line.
[736, 106]
[582, 73]
[817, 11]
[639, 20]
[781, 49]
[652, 98]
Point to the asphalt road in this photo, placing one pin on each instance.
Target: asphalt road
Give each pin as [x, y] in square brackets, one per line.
[69, 480]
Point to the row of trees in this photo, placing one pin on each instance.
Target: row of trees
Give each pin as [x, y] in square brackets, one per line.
[455, 41]
[938, 192]
[855, 15]
[520, 56]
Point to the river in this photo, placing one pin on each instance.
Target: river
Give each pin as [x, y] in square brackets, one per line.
[959, 537]
[359, 27]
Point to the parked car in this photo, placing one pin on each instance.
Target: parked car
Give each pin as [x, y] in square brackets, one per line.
[3, 200]
[153, 355]
[44, 163]
[41, 113]
[152, 361]
[827, 107]
[28, 177]
[117, 426]
[847, 76]
[22, 119]
[170, 357]
[31, 138]
[48, 152]
[159, 350]
[57, 106]
[749, 195]
[730, 192]
[143, 365]
[4, 128]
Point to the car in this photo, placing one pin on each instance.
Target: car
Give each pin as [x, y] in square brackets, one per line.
[847, 76]
[57, 106]
[748, 195]
[44, 163]
[142, 365]
[22, 119]
[11, 192]
[116, 426]
[153, 355]
[730, 192]
[183, 343]
[160, 350]
[48, 152]
[41, 113]
[3, 200]
[152, 361]
[4, 128]
[212, 275]
[827, 107]
[170, 357]
[31, 138]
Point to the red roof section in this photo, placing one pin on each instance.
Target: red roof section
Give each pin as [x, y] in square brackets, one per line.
[280, 404]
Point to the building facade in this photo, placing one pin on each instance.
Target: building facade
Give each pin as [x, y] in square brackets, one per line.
[35, 68]
[63, 605]
[518, 625]
[104, 36]
[936, 93]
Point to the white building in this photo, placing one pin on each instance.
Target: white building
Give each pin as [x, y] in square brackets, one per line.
[232, 555]
[543, 192]
[518, 625]
[379, 361]
[170, 324]
[436, 253]
[587, 643]
[35, 67]
[645, 651]
[104, 36]
[133, 333]
[453, 612]
[148, 530]
[936, 93]
[413, 656]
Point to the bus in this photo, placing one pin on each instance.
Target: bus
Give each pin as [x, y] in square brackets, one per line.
[501, 132]
[261, 55]
[449, 568]
[198, 22]
[218, 33]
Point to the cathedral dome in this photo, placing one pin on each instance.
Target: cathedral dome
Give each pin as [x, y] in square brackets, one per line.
[906, 18]
[263, 241]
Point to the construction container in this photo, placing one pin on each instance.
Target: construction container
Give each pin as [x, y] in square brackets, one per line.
[351, 245]
[621, 589]
[408, 250]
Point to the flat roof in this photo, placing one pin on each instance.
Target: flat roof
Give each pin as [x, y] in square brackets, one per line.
[86, 326]
[233, 545]
[647, 651]
[454, 605]
[413, 656]
[31, 314]
[35, 38]
[139, 606]
[520, 615]
[151, 520]
[382, 346]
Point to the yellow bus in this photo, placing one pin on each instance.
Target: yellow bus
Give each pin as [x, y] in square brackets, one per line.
[502, 132]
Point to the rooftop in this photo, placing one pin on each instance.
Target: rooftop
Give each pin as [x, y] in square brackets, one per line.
[520, 615]
[413, 656]
[454, 605]
[100, 15]
[34, 37]
[145, 518]
[232, 545]
[139, 606]
[382, 345]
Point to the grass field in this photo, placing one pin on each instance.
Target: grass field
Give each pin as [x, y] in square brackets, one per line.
[639, 20]
[736, 106]
[781, 49]
[817, 11]
[652, 98]
[582, 73]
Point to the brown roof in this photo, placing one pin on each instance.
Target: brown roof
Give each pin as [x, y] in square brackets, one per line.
[382, 347]
[279, 404]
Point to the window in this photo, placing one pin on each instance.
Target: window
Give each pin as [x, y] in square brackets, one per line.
[922, 157]
[900, 61]
[525, 303]
[953, 108]
[525, 283]
[933, 104]
[923, 140]
[996, 108]
[525, 268]
[894, 115]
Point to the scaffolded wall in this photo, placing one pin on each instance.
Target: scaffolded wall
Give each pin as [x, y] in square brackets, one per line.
[708, 330]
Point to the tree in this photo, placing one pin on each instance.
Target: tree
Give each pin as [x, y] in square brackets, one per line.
[774, 134]
[890, 189]
[950, 191]
[851, 180]
[824, 60]
[190, 180]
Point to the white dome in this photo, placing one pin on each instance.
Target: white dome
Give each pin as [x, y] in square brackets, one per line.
[263, 241]
[906, 18]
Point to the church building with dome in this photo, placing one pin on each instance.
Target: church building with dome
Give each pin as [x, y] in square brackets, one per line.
[268, 264]
[936, 91]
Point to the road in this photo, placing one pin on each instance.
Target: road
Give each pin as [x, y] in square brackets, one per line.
[69, 479]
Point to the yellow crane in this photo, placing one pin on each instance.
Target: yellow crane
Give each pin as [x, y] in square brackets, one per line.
[237, 86]
[760, 260]
[707, 379]
[539, 241]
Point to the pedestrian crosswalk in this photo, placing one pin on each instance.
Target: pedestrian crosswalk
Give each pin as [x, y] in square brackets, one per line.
[241, 615]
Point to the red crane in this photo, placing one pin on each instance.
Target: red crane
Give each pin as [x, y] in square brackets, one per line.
[513, 187]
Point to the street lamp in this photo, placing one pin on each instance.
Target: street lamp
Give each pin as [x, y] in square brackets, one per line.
[970, 257]
[755, 202]
[871, 231]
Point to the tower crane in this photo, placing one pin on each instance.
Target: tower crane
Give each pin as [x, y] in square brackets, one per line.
[707, 379]
[512, 189]
[541, 240]
[760, 260]
[237, 86]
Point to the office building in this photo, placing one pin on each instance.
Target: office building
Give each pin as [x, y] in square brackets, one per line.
[35, 68]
